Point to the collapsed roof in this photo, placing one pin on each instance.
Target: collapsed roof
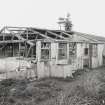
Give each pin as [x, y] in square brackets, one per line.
[31, 34]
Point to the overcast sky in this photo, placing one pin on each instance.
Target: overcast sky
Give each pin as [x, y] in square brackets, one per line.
[87, 16]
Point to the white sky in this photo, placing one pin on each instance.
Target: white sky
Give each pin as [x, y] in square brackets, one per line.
[87, 16]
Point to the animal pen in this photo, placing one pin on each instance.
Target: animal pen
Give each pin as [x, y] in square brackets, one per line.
[52, 53]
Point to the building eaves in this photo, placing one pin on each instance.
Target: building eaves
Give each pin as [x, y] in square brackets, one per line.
[92, 38]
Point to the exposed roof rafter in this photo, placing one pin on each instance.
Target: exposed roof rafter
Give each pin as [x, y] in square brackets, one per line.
[18, 35]
[57, 35]
[34, 31]
[70, 36]
[28, 34]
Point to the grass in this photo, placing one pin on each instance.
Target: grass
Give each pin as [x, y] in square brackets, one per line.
[84, 89]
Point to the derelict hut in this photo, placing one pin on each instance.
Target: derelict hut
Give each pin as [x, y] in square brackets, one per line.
[49, 47]
[70, 52]
[57, 53]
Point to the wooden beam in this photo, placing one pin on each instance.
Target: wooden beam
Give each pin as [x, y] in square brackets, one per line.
[47, 37]
[57, 35]
[17, 30]
[27, 35]
[25, 49]
[19, 48]
[29, 51]
[12, 41]
[5, 34]
[2, 30]
[67, 34]
[77, 41]
[18, 35]
[14, 34]
[17, 27]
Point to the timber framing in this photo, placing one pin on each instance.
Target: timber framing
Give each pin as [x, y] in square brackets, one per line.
[28, 36]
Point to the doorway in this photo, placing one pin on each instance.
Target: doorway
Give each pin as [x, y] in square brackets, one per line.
[87, 62]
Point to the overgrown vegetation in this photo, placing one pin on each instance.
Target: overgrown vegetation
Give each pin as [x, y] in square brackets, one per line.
[23, 91]
[84, 89]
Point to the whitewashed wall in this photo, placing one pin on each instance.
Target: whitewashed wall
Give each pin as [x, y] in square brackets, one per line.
[79, 61]
[61, 68]
[55, 67]
[98, 61]
[100, 52]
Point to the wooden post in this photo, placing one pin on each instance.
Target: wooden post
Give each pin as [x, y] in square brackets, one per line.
[68, 56]
[19, 55]
[90, 56]
[32, 52]
[38, 50]
[27, 34]
[29, 51]
[13, 49]
[4, 34]
[25, 49]
[19, 48]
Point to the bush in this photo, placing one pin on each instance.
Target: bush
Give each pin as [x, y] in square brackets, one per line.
[7, 82]
[78, 73]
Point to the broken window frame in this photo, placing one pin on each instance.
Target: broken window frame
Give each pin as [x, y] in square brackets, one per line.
[72, 52]
[94, 50]
[45, 48]
[72, 49]
[62, 51]
[86, 51]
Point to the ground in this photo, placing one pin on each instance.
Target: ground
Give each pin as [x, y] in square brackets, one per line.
[86, 88]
